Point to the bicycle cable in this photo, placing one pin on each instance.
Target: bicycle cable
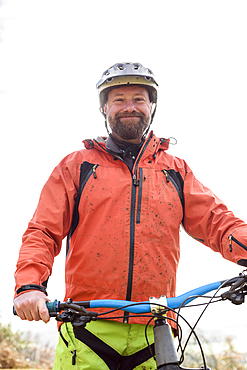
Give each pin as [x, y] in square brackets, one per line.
[166, 309]
[224, 284]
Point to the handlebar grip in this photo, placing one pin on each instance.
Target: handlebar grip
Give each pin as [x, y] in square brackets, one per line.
[14, 311]
[52, 307]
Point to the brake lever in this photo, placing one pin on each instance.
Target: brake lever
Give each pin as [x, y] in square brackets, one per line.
[74, 313]
[65, 316]
[79, 310]
[238, 290]
[240, 282]
[81, 321]
[235, 297]
[75, 317]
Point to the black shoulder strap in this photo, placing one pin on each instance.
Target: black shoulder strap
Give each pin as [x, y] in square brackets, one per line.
[85, 172]
[178, 182]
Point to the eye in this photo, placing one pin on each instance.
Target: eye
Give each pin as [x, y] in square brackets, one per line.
[139, 100]
[118, 100]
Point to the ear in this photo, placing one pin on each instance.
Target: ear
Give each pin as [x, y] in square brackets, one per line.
[105, 108]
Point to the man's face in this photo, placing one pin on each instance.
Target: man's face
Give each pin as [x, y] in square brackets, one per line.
[128, 111]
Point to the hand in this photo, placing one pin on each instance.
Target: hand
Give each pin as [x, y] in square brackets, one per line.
[32, 306]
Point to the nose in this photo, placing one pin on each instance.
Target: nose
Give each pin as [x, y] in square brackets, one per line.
[129, 106]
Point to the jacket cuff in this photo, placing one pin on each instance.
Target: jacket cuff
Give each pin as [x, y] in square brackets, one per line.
[24, 288]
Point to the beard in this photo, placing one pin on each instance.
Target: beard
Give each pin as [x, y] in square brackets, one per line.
[130, 128]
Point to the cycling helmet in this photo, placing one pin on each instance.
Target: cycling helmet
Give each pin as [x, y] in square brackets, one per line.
[126, 74]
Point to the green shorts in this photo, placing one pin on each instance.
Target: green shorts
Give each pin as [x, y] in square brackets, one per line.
[105, 345]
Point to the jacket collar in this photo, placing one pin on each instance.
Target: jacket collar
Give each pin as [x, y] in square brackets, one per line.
[111, 145]
[155, 144]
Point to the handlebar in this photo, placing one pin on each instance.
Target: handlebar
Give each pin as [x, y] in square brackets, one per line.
[235, 294]
[133, 307]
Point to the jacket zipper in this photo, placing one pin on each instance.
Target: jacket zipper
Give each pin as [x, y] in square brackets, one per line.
[138, 216]
[94, 171]
[135, 183]
[232, 239]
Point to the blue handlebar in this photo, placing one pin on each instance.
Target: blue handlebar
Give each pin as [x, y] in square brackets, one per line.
[176, 302]
[144, 307]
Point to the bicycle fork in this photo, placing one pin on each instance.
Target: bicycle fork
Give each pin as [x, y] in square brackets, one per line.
[165, 351]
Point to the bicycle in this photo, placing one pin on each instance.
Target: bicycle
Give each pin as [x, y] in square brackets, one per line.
[165, 355]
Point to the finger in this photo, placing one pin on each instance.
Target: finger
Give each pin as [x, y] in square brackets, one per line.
[43, 311]
[30, 315]
[35, 313]
[31, 311]
[23, 312]
[20, 313]
[27, 311]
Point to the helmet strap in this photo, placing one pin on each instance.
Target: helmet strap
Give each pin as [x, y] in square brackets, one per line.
[106, 126]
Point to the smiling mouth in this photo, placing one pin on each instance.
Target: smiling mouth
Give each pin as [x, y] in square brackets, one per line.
[130, 117]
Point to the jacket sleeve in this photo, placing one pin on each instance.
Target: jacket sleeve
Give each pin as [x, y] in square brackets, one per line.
[207, 219]
[49, 225]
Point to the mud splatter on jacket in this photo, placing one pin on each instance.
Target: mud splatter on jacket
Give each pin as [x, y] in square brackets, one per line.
[123, 226]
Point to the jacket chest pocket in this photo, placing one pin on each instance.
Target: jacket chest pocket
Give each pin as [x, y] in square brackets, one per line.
[176, 179]
[158, 196]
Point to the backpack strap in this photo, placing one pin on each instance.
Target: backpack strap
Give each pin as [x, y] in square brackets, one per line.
[178, 182]
[86, 171]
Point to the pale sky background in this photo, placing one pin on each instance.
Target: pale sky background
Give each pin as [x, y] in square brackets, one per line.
[52, 54]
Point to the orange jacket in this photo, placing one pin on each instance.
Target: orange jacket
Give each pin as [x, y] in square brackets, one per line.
[123, 240]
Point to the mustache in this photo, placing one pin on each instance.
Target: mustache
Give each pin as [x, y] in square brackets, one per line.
[133, 114]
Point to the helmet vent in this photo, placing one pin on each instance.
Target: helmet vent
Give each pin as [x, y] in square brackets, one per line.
[120, 67]
[136, 66]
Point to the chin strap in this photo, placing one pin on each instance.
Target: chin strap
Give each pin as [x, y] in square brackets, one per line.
[107, 127]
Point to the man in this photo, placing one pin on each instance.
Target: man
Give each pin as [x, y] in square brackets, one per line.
[120, 202]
